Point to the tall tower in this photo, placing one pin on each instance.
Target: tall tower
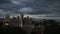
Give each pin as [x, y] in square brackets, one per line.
[6, 21]
[28, 25]
[28, 20]
[21, 19]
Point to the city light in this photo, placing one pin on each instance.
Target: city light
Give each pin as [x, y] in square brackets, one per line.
[21, 25]
[6, 24]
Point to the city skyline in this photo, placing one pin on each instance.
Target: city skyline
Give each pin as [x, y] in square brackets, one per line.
[36, 16]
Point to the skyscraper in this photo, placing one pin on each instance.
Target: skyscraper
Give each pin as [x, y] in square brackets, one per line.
[28, 25]
[21, 20]
[6, 21]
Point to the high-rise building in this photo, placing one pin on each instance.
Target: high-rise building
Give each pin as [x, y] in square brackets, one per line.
[18, 17]
[21, 20]
[28, 25]
[6, 21]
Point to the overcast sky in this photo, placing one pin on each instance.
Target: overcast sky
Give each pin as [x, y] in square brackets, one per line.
[30, 7]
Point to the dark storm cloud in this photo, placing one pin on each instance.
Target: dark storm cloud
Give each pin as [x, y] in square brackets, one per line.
[36, 6]
[4, 1]
[46, 6]
[5, 4]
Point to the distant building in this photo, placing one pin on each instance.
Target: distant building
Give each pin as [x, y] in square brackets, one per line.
[6, 21]
[28, 25]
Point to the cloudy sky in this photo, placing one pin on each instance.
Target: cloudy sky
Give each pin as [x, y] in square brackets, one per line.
[51, 7]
